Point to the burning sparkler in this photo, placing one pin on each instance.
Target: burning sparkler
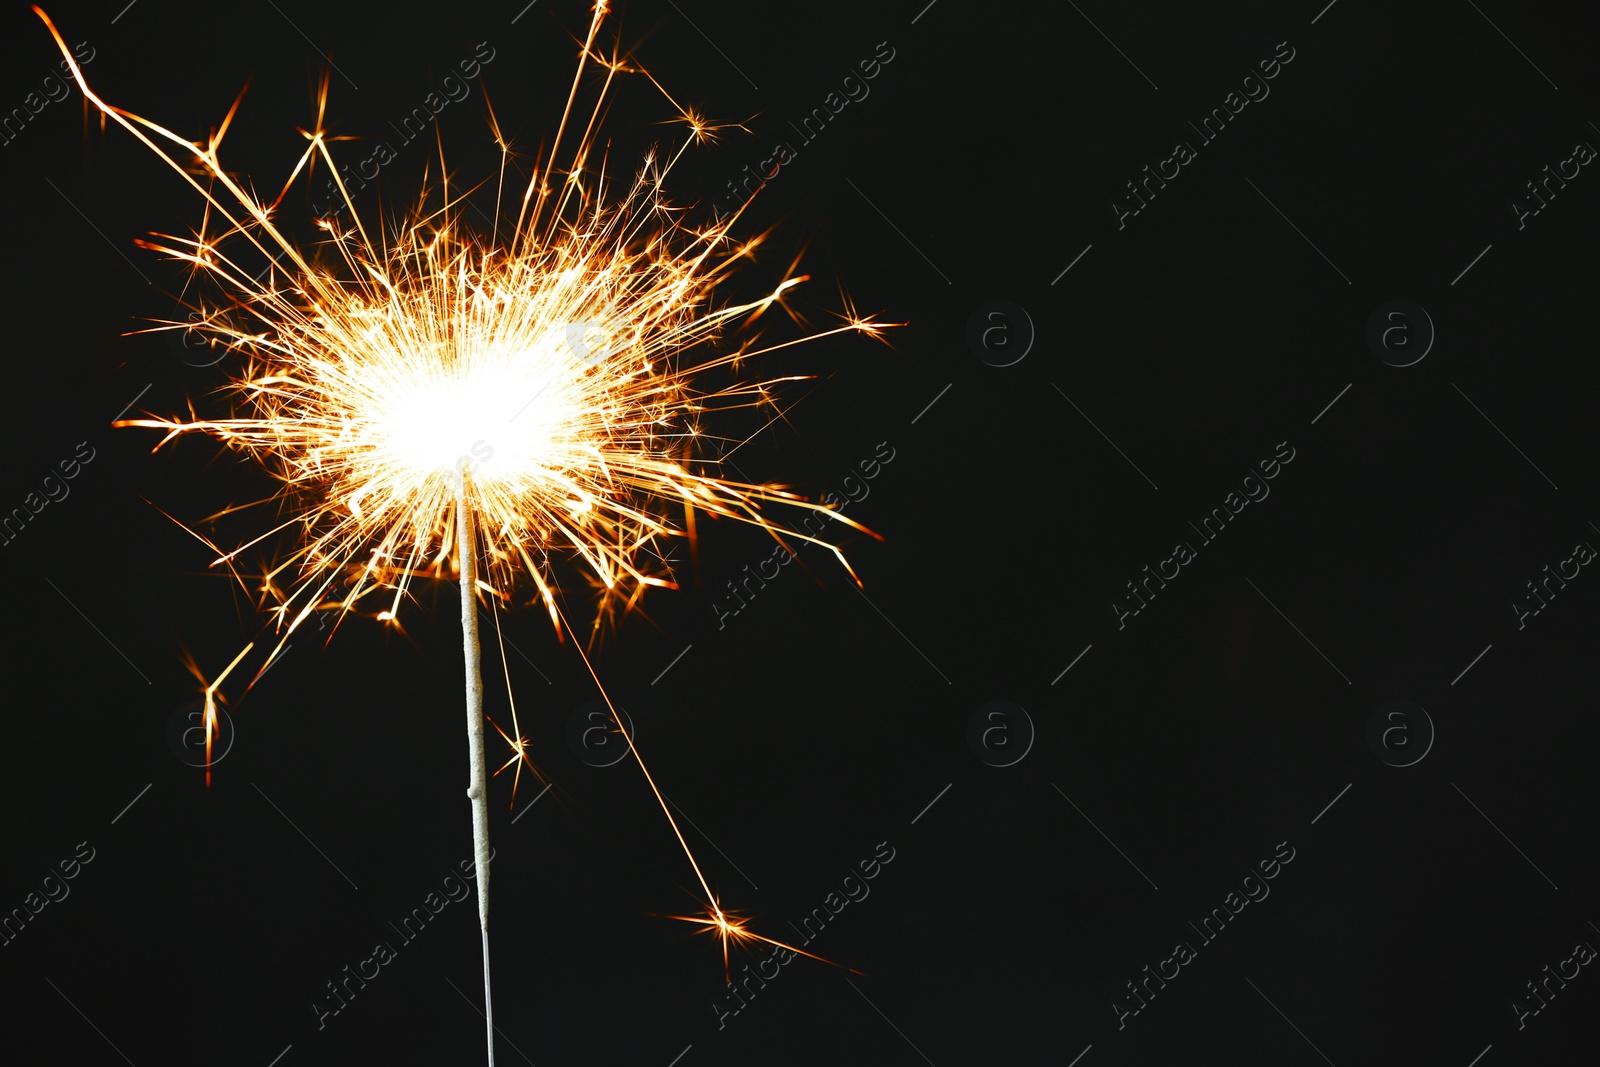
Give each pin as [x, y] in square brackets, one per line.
[438, 395]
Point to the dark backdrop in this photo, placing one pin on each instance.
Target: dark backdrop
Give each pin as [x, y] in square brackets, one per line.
[1162, 755]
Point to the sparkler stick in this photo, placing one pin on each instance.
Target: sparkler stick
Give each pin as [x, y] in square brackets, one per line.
[478, 790]
[364, 388]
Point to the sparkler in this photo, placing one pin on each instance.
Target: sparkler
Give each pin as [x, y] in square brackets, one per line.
[436, 394]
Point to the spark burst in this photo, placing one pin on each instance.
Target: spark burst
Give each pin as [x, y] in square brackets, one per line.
[433, 395]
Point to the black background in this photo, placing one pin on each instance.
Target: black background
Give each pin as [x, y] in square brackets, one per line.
[817, 723]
